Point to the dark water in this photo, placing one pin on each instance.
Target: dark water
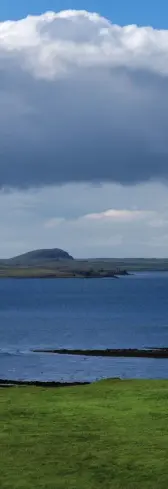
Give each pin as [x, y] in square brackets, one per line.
[78, 313]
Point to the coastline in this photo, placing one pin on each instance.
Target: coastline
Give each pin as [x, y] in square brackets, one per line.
[38, 383]
[36, 273]
[118, 352]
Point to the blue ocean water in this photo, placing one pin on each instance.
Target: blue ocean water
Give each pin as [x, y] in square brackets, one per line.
[81, 313]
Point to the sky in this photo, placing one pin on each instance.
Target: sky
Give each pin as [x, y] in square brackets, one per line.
[123, 12]
[83, 128]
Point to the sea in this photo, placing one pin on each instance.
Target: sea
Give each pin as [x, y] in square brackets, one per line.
[129, 312]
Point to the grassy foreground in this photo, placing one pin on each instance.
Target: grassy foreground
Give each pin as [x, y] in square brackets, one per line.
[112, 434]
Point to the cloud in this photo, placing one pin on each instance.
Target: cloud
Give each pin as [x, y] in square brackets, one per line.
[82, 100]
[60, 217]
[120, 215]
[111, 215]
[115, 232]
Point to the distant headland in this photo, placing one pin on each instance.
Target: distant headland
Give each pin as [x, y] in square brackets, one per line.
[57, 263]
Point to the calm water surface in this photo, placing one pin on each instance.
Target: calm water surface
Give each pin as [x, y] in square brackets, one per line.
[78, 313]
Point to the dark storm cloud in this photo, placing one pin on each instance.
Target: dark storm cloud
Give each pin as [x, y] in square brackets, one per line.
[68, 118]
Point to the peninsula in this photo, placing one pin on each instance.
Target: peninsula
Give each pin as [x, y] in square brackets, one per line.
[57, 263]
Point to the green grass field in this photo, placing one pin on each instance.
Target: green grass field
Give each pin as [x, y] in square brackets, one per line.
[111, 434]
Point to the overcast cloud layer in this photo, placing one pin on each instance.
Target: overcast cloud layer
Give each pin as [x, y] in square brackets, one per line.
[82, 100]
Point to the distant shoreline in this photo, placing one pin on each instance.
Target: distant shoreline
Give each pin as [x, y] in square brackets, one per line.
[86, 269]
[54, 263]
[115, 352]
[38, 383]
[57, 263]
[22, 273]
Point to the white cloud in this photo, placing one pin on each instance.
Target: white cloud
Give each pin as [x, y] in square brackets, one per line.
[82, 100]
[84, 39]
[121, 215]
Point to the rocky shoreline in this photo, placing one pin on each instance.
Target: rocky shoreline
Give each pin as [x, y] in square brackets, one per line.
[11, 383]
[119, 352]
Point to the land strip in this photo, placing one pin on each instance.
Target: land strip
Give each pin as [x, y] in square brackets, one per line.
[119, 352]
